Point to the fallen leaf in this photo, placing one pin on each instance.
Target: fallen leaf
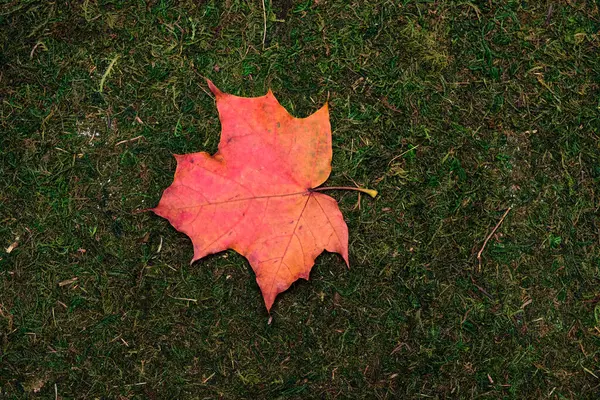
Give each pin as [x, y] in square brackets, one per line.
[255, 195]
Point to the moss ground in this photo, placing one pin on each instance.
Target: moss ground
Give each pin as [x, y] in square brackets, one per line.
[454, 110]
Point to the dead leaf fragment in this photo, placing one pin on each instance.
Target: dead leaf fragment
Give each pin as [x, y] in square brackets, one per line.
[14, 245]
[67, 282]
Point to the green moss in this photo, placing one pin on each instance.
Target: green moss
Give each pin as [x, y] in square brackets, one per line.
[454, 111]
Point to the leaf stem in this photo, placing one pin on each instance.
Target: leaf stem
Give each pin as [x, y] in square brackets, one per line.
[370, 192]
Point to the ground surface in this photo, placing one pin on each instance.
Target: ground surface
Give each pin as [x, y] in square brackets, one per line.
[455, 111]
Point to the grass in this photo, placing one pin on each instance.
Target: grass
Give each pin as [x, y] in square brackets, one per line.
[455, 111]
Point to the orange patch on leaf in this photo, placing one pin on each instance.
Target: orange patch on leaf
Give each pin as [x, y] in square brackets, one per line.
[254, 195]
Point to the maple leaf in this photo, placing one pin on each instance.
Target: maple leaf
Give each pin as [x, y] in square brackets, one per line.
[257, 195]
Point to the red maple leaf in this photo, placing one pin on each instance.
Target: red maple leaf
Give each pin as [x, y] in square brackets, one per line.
[256, 194]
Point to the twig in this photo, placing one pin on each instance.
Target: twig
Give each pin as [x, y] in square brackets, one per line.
[265, 24]
[183, 298]
[490, 235]
[482, 290]
[130, 140]
[549, 14]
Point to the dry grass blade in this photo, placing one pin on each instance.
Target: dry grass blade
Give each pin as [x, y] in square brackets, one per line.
[490, 235]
